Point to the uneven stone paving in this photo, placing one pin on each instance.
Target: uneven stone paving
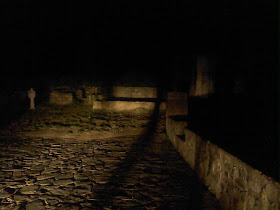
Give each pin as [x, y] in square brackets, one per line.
[115, 173]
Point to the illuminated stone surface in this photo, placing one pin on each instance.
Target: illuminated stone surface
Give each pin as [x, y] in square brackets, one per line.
[153, 179]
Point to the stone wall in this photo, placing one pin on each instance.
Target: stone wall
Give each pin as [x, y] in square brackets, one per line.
[90, 93]
[61, 98]
[235, 184]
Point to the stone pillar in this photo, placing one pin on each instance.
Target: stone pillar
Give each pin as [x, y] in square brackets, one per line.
[203, 77]
[31, 95]
[177, 104]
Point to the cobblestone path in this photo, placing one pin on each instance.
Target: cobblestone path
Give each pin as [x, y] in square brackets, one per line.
[74, 158]
[56, 174]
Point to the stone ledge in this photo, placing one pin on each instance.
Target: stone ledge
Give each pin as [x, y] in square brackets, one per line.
[134, 92]
[133, 106]
[235, 184]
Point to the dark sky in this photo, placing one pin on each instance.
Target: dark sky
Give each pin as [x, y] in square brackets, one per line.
[95, 39]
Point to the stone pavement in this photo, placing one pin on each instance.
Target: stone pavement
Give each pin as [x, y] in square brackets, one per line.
[88, 172]
[56, 174]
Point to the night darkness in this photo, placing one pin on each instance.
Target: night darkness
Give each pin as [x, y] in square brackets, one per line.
[106, 40]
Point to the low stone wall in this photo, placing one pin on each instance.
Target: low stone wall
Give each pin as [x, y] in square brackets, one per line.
[134, 92]
[85, 92]
[61, 98]
[136, 106]
[235, 184]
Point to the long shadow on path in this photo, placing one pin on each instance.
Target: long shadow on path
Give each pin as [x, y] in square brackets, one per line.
[132, 156]
[106, 194]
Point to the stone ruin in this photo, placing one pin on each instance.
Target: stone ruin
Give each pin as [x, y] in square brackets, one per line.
[116, 98]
